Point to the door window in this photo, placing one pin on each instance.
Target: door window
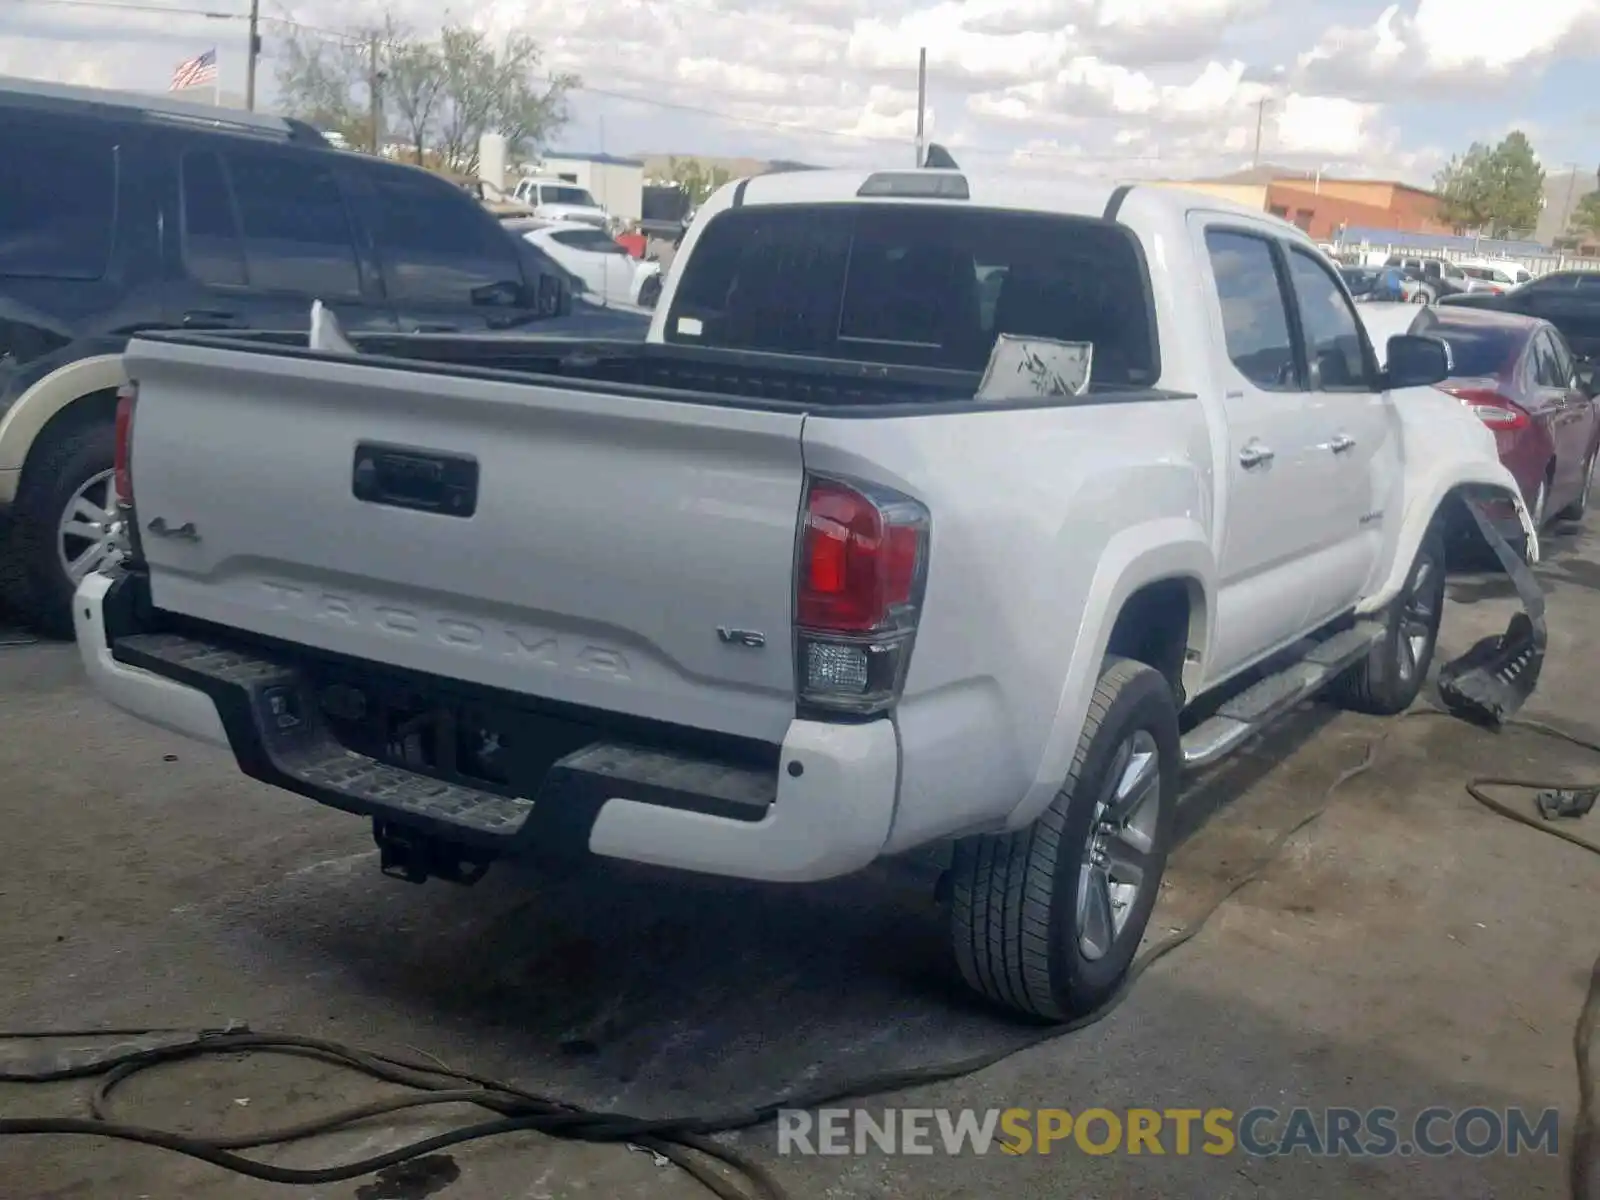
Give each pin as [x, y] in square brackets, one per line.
[1546, 367]
[1255, 319]
[1335, 350]
[439, 247]
[59, 200]
[296, 230]
[1566, 368]
[212, 250]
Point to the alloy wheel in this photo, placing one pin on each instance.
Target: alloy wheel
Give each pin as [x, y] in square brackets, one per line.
[1117, 861]
[89, 534]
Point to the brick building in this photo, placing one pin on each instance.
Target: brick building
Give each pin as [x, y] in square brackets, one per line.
[1322, 206]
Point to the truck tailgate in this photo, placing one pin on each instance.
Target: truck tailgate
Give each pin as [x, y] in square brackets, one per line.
[606, 541]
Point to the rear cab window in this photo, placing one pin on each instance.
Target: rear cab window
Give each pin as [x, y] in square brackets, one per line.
[920, 285]
[58, 207]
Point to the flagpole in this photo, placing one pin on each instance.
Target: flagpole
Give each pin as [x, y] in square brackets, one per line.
[216, 83]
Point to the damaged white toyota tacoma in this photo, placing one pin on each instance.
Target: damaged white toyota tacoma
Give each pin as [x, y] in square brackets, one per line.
[933, 511]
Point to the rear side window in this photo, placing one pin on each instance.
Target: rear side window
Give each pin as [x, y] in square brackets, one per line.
[58, 202]
[1476, 350]
[916, 285]
[438, 246]
[592, 240]
[296, 230]
[1255, 318]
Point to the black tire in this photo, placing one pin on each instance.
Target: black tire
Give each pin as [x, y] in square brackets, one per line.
[650, 292]
[33, 582]
[1580, 507]
[1015, 912]
[1389, 679]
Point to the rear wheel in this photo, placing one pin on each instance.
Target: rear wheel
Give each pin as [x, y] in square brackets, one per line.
[1047, 920]
[650, 292]
[64, 526]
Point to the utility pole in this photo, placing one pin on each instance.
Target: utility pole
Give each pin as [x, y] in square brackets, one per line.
[1261, 116]
[922, 101]
[374, 89]
[252, 56]
[1566, 209]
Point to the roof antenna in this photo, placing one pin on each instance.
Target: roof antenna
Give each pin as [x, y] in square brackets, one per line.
[938, 159]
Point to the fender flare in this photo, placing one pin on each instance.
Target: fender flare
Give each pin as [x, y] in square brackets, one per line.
[45, 398]
[1172, 548]
[1420, 514]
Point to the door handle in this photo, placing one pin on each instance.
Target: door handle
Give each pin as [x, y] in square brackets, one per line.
[1341, 443]
[1254, 454]
[208, 318]
[436, 327]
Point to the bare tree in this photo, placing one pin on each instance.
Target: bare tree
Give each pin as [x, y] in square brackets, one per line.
[324, 80]
[413, 83]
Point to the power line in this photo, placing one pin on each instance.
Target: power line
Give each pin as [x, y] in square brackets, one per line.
[624, 97]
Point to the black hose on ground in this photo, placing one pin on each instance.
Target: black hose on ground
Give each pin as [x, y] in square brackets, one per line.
[685, 1141]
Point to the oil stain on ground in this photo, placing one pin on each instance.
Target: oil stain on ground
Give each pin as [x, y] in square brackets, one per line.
[414, 1180]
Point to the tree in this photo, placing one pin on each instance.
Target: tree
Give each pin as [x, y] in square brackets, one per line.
[324, 80]
[488, 89]
[443, 94]
[413, 80]
[1498, 190]
[1586, 215]
[696, 178]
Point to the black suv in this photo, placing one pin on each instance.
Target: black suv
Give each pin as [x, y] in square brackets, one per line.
[121, 212]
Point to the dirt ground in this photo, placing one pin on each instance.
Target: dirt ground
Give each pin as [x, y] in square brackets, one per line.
[1409, 949]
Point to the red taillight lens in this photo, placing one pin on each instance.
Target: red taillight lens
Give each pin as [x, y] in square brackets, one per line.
[127, 397]
[1496, 411]
[857, 564]
[857, 594]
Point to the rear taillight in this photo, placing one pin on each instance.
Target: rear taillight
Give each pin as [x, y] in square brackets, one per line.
[858, 594]
[1489, 406]
[127, 397]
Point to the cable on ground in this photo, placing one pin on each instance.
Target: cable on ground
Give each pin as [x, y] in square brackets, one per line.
[686, 1141]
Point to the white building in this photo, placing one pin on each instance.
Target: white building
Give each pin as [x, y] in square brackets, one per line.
[617, 184]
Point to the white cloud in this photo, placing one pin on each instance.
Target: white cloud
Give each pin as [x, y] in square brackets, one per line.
[1110, 87]
[1435, 44]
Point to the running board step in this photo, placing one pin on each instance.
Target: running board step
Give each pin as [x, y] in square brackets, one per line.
[1253, 709]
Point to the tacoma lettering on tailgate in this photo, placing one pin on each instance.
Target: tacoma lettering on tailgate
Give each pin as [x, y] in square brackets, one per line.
[504, 641]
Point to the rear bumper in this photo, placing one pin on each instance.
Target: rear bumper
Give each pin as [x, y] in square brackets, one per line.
[824, 810]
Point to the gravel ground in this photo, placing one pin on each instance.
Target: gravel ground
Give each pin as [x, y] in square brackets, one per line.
[1409, 949]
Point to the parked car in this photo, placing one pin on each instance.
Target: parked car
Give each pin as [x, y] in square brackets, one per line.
[558, 200]
[825, 570]
[1434, 277]
[1517, 375]
[141, 212]
[1494, 276]
[1569, 300]
[604, 264]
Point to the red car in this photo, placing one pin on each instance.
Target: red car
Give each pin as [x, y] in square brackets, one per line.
[1519, 378]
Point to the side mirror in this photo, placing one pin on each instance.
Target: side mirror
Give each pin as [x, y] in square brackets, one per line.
[1588, 380]
[1416, 361]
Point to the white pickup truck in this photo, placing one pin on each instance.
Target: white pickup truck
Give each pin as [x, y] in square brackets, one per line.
[784, 589]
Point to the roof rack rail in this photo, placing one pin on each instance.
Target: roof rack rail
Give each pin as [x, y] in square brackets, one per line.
[162, 108]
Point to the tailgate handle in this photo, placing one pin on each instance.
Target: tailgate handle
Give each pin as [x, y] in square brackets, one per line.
[434, 481]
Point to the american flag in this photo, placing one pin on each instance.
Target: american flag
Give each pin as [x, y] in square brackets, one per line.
[192, 72]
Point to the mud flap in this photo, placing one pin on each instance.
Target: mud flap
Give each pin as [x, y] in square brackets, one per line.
[1493, 679]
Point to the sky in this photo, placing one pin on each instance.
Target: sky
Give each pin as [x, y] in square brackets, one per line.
[1120, 89]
